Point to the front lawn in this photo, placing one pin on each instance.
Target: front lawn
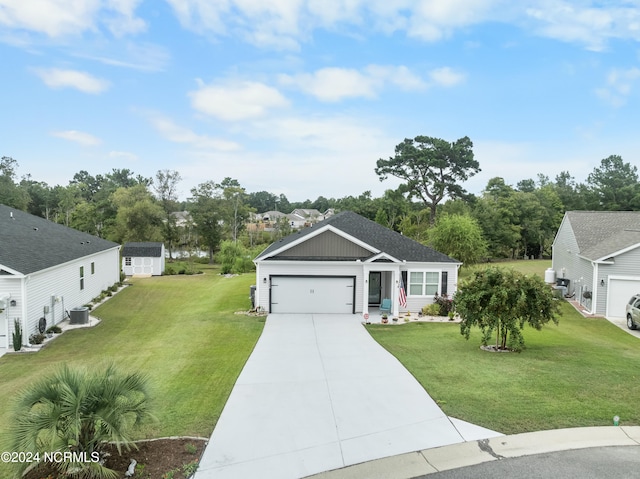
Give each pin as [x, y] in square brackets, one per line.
[581, 372]
[180, 330]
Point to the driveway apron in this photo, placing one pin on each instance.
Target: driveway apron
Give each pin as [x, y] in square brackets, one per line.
[318, 393]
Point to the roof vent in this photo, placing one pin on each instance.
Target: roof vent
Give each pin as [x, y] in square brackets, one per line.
[35, 229]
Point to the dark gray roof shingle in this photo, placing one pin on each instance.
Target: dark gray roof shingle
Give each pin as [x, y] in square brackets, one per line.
[143, 249]
[602, 233]
[29, 243]
[373, 234]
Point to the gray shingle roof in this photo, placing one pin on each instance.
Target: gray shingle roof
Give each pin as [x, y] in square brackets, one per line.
[373, 234]
[29, 243]
[144, 249]
[600, 234]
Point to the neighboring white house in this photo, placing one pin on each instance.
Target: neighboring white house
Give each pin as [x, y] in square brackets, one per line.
[143, 258]
[347, 264]
[47, 268]
[597, 255]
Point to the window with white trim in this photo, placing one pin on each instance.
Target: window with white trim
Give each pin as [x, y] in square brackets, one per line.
[127, 261]
[424, 283]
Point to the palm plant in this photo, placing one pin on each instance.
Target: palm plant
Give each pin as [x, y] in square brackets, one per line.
[79, 411]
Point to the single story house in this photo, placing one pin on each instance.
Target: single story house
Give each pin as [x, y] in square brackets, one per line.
[349, 264]
[596, 256]
[146, 258]
[47, 269]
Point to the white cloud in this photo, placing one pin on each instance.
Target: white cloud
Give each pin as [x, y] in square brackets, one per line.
[284, 23]
[178, 134]
[334, 84]
[78, 137]
[58, 78]
[619, 86]
[287, 23]
[276, 23]
[433, 20]
[328, 155]
[237, 101]
[51, 17]
[120, 17]
[57, 18]
[146, 57]
[589, 23]
[446, 77]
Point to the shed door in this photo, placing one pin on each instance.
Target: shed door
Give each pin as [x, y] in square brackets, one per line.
[143, 265]
[620, 291]
[312, 294]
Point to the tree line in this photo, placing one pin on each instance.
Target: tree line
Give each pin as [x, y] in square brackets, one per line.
[430, 206]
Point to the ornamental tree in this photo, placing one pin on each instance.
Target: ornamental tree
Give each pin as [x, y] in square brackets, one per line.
[500, 302]
[432, 168]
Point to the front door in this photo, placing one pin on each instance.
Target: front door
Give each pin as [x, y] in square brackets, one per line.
[375, 287]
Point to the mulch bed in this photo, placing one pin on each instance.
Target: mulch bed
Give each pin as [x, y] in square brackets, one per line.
[156, 459]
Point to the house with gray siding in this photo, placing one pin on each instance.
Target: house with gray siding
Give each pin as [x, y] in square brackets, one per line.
[47, 269]
[598, 254]
[349, 264]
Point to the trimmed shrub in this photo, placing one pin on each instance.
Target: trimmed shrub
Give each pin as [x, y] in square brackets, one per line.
[37, 338]
[431, 310]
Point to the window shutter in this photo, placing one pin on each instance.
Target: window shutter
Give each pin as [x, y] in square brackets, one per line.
[445, 277]
[404, 281]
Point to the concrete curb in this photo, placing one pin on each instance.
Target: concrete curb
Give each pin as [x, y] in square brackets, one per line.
[429, 461]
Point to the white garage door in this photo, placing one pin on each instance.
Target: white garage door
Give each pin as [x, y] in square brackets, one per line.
[620, 291]
[312, 294]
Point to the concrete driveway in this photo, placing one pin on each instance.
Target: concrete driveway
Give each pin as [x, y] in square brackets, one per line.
[318, 393]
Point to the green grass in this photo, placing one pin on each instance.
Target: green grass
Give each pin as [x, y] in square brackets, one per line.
[180, 330]
[581, 372]
[537, 266]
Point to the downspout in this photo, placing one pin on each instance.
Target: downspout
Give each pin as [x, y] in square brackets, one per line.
[25, 309]
[594, 288]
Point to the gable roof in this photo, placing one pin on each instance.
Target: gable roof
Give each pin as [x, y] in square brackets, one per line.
[601, 234]
[376, 237]
[29, 243]
[142, 249]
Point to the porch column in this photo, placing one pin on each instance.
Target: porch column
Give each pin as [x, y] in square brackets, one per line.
[395, 286]
[365, 290]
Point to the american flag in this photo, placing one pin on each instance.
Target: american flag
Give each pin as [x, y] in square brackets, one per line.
[403, 294]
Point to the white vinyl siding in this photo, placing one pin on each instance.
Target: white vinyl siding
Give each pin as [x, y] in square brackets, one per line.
[57, 288]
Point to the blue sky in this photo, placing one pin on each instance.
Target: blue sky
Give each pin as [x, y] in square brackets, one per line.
[302, 97]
